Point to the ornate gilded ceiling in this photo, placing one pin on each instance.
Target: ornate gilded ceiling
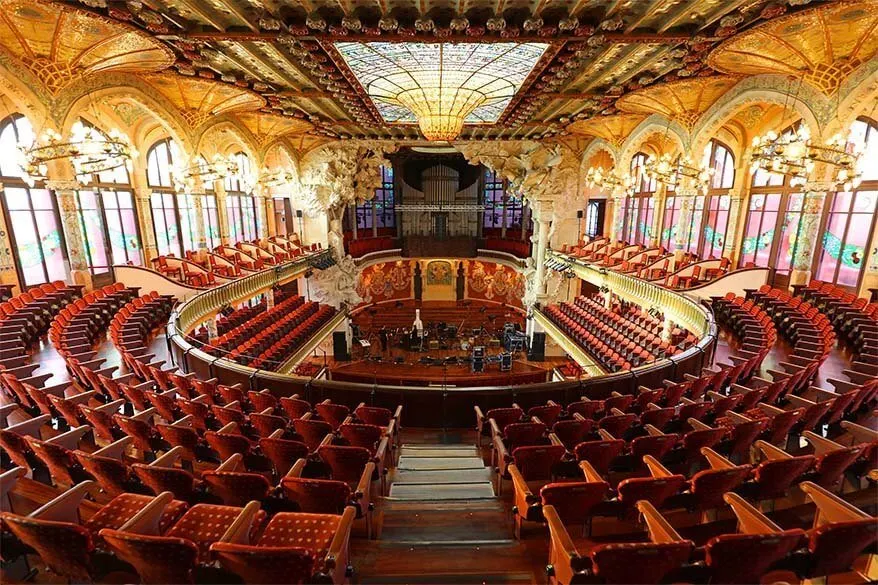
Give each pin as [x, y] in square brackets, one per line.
[681, 101]
[272, 63]
[59, 45]
[823, 44]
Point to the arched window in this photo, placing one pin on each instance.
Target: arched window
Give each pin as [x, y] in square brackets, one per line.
[240, 205]
[502, 209]
[377, 216]
[594, 217]
[850, 216]
[709, 223]
[31, 212]
[771, 234]
[640, 207]
[160, 160]
[108, 220]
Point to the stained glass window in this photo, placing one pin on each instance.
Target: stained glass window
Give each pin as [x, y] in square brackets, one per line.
[773, 227]
[240, 207]
[32, 213]
[108, 220]
[211, 221]
[640, 208]
[850, 216]
[160, 161]
[379, 212]
[402, 76]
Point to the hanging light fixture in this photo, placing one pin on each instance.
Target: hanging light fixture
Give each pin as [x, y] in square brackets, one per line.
[218, 169]
[670, 172]
[276, 178]
[793, 153]
[607, 180]
[88, 150]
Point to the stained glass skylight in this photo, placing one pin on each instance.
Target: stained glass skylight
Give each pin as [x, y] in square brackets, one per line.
[441, 86]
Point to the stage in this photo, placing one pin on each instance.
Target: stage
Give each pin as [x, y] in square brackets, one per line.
[452, 329]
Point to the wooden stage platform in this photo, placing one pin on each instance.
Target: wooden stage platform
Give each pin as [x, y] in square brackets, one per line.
[400, 366]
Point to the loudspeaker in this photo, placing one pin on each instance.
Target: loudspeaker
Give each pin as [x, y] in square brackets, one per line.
[537, 347]
[340, 346]
[579, 214]
[298, 213]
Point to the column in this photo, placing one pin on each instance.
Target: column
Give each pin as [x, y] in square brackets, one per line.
[808, 238]
[525, 220]
[658, 216]
[270, 213]
[147, 232]
[352, 217]
[730, 249]
[200, 234]
[65, 194]
[618, 197]
[687, 204]
[222, 213]
[609, 218]
[503, 218]
[262, 216]
[543, 210]
[142, 194]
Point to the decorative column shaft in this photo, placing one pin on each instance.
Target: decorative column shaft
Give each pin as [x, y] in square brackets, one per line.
[65, 193]
[808, 236]
[262, 216]
[543, 211]
[144, 214]
[736, 200]
[219, 190]
[200, 234]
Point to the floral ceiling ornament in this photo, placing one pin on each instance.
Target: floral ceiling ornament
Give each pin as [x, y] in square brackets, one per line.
[339, 175]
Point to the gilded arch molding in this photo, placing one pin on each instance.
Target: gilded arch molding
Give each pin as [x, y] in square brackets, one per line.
[652, 125]
[814, 108]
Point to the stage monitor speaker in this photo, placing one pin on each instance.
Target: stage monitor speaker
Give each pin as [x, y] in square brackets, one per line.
[505, 362]
[478, 365]
[538, 347]
[340, 346]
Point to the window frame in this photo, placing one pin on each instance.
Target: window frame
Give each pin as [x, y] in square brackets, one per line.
[17, 182]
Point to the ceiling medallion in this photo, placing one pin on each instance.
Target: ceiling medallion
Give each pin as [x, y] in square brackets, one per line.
[87, 149]
[441, 86]
[670, 172]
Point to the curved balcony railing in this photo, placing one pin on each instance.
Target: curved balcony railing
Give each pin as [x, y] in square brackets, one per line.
[445, 406]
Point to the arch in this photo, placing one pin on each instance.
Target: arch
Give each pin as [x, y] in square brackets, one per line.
[654, 124]
[22, 91]
[770, 89]
[126, 87]
[596, 146]
[860, 94]
[217, 135]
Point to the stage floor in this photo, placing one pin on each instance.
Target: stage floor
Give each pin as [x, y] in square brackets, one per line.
[401, 366]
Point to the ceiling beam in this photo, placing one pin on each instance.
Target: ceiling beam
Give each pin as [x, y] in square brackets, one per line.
[612, 37]
[207, 16]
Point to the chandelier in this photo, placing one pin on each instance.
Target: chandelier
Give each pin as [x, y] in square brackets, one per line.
[218, 169]
[598, 178]
[670, 172]
[792, 153]
[88, 149]
[278, 178]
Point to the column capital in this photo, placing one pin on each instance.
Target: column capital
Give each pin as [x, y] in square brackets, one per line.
[818, 187]
[63, 185]
[542, 209]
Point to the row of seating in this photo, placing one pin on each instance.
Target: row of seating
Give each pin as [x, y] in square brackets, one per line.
[620, 338]
[67, 465]
[290, 334]
[727, 439]
[237, 335]
[167, 541]
[26, 316]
